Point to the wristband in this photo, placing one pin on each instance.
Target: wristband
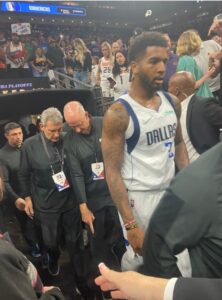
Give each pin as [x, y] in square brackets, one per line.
[129, 223]
[132, 226]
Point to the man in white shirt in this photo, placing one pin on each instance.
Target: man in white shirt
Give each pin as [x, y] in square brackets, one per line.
[132, 285]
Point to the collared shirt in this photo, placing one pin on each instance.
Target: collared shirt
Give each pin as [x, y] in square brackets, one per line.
[192, 153]
[169, 289]
[10, 159]
[36, 175]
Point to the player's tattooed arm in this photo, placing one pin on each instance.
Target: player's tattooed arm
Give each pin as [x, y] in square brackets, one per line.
[113, 139]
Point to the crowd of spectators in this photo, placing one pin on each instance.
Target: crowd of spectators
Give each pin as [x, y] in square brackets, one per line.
[60, 169]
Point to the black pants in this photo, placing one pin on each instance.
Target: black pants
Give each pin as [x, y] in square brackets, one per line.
[28, 228]
[107, 243]
[66, 225]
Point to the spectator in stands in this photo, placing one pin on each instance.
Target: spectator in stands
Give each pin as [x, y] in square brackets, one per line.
[55, 56]
[39, 64]
[29, 47]
[3, 65]
[201, 118]
[217, 39]
[82, 62]
[95, 65]
[115, 47]
[121, 75]
[204, 62]
[216, 26]
[121, 44]
[42, 43]
[188, 45]
[2, 38]
[171, 64]
[105, 72]
[69, 58]
[18, 57]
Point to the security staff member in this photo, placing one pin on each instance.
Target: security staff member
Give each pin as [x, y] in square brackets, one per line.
[46, 187]
[83, 150]
[10, 155]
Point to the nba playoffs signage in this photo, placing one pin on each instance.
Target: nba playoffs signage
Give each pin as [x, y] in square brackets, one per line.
[21, 28]
[8, 86]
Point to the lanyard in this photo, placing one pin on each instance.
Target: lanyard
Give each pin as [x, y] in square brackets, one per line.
[95, 140]
[61, 157]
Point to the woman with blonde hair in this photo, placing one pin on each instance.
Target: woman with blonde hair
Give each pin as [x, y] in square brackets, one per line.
[82, 62]
[104, 73]
[188, 46]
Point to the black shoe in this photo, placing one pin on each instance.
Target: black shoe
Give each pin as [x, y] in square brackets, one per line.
[53, 268]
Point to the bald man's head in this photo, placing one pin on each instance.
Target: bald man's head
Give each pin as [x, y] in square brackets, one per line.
[77, 118]
[182, 85]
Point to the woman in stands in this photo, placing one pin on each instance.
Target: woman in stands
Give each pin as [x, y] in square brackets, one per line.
[121, 74]
[188, 45]
[104, 74]
[40, 64]
[82, 62]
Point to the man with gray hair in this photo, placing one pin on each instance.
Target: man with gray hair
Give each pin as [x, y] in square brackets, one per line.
[45, 183]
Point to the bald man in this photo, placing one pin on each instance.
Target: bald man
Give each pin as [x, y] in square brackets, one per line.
[201, 118]
[83, 150]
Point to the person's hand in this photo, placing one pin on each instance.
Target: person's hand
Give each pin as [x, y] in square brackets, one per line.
[87, 216]
[130, 285]
[136, 238]
[211, 70]
[48, 288]
[29, 208]
[20, 204]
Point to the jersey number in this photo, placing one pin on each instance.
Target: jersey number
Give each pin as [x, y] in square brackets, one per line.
[169, 145]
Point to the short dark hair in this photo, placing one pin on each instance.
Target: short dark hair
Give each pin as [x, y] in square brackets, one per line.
[141, 42]
[10, 126]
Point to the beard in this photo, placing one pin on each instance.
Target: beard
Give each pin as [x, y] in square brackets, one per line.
[148, 85]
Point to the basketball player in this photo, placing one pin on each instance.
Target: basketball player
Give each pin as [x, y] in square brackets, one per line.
[141, 139]
[104, 73]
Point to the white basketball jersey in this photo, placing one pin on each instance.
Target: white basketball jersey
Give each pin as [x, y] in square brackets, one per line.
[149, 164]
[106, 68]
[17, 54]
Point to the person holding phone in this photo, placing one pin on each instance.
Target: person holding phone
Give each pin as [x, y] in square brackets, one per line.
[121, 75]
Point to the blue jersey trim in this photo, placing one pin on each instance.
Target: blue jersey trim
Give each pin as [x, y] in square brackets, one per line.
[169, 98]
[133, 140]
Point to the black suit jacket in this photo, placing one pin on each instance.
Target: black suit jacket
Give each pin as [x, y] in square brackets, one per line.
[204, 119]
[198, 289]
[189, 216]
